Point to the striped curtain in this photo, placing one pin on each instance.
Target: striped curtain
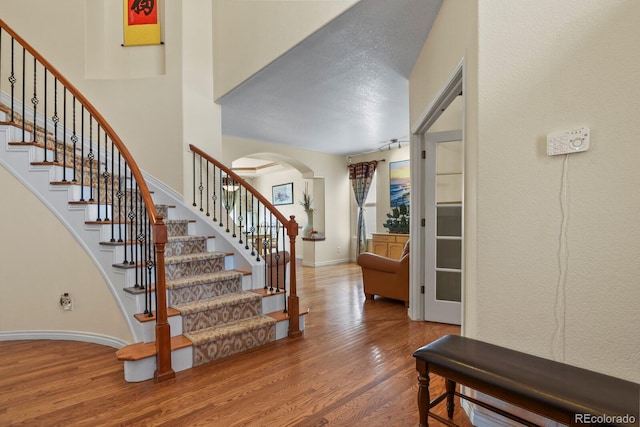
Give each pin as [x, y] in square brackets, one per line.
[361, 175]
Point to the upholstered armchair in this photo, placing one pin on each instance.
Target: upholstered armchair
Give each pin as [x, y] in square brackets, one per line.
[386, 277]
[275, 271]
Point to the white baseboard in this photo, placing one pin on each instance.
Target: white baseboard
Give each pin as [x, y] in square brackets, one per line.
[62, 336]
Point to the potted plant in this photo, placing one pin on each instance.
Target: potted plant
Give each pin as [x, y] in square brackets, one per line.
[306, 204]
[398, 220]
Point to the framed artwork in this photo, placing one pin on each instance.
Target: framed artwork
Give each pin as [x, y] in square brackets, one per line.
[282, 194]
[399, 183]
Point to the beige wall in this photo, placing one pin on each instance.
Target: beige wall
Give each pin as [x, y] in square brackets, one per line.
[33, 276]
[332, 168]
[133, 96]
[452, 39]
[250, 34]
[569, 64]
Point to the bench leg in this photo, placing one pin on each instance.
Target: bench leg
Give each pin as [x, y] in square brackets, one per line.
[451, 388]
[423, 398]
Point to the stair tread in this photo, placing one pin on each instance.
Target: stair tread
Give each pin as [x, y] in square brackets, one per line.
[225, 300]
[202, 278]
[143, 318]
[219, 332]
[141, 351]
[185, 238]
[178, 221]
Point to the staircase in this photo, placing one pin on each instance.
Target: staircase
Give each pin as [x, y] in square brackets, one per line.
[214, 309]
[217, 293]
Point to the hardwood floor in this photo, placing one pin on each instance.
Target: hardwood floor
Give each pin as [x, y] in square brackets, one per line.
[353, 367]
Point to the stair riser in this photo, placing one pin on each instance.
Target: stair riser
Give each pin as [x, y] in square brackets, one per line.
[177, 229]
[203, 291]
[193, 268]
[220, 315]
[185, 247]
[149, 328]
[232, 344]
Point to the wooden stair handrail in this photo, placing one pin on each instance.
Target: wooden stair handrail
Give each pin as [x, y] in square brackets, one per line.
[163, 341]
[292, 231]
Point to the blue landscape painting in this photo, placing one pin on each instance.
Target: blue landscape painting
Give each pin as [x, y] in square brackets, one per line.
[399, 183]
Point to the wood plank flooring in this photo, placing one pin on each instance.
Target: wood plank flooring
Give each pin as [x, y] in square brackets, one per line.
[352, 367]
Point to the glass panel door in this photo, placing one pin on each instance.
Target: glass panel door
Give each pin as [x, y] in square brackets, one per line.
[444, 227]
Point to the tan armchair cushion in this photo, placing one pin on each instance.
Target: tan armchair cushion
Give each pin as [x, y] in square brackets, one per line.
[385, 277]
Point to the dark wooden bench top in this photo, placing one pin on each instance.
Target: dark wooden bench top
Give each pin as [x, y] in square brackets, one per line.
[522, 377]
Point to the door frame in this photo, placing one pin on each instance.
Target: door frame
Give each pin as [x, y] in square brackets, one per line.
[452, 88]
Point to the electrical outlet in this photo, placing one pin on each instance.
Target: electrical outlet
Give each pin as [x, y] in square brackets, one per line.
[338, 249]
[65, 302]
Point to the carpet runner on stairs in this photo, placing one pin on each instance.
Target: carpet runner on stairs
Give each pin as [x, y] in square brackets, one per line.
[217, 315]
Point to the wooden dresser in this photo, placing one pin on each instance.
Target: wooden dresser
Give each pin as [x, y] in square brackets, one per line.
[388, 244]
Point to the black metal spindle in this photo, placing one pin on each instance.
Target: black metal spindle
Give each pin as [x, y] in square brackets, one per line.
[221, 195]
[46, 122]
[240, 218]
[155, 271]
[246, 216]
[233, 208]
[119, 195]
[24, 87]
[34, 102]
[125, 223]
[150, 264]
[193, 175]
[226, 194]
[131, 222]
[12, 80]
[74, 141]
[55, 119]
[91, 157]
[253, 225]
[106, 175]
[207, 192]
[112, 201]
[64, 135]
[81, 153]
[201, 187]
[98, 175]
[215, 194]
[134, 232]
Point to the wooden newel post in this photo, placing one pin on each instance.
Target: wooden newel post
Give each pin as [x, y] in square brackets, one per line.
[293, 302]
[163, 331]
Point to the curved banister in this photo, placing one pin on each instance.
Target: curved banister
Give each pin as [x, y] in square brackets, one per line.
[289, 224]
[245, 184]
[164, 370]
[146, 194]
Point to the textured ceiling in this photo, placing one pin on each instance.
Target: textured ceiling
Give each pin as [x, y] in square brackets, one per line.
[342, 90]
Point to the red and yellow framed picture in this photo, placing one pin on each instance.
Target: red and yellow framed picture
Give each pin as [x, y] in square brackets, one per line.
[141, 24]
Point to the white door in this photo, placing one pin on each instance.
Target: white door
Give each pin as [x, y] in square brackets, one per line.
[444, 237]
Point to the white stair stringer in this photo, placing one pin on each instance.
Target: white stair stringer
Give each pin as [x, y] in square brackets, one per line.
[17, 160]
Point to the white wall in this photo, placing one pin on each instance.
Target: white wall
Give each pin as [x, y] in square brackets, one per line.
[569, 64]
[332, 168]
